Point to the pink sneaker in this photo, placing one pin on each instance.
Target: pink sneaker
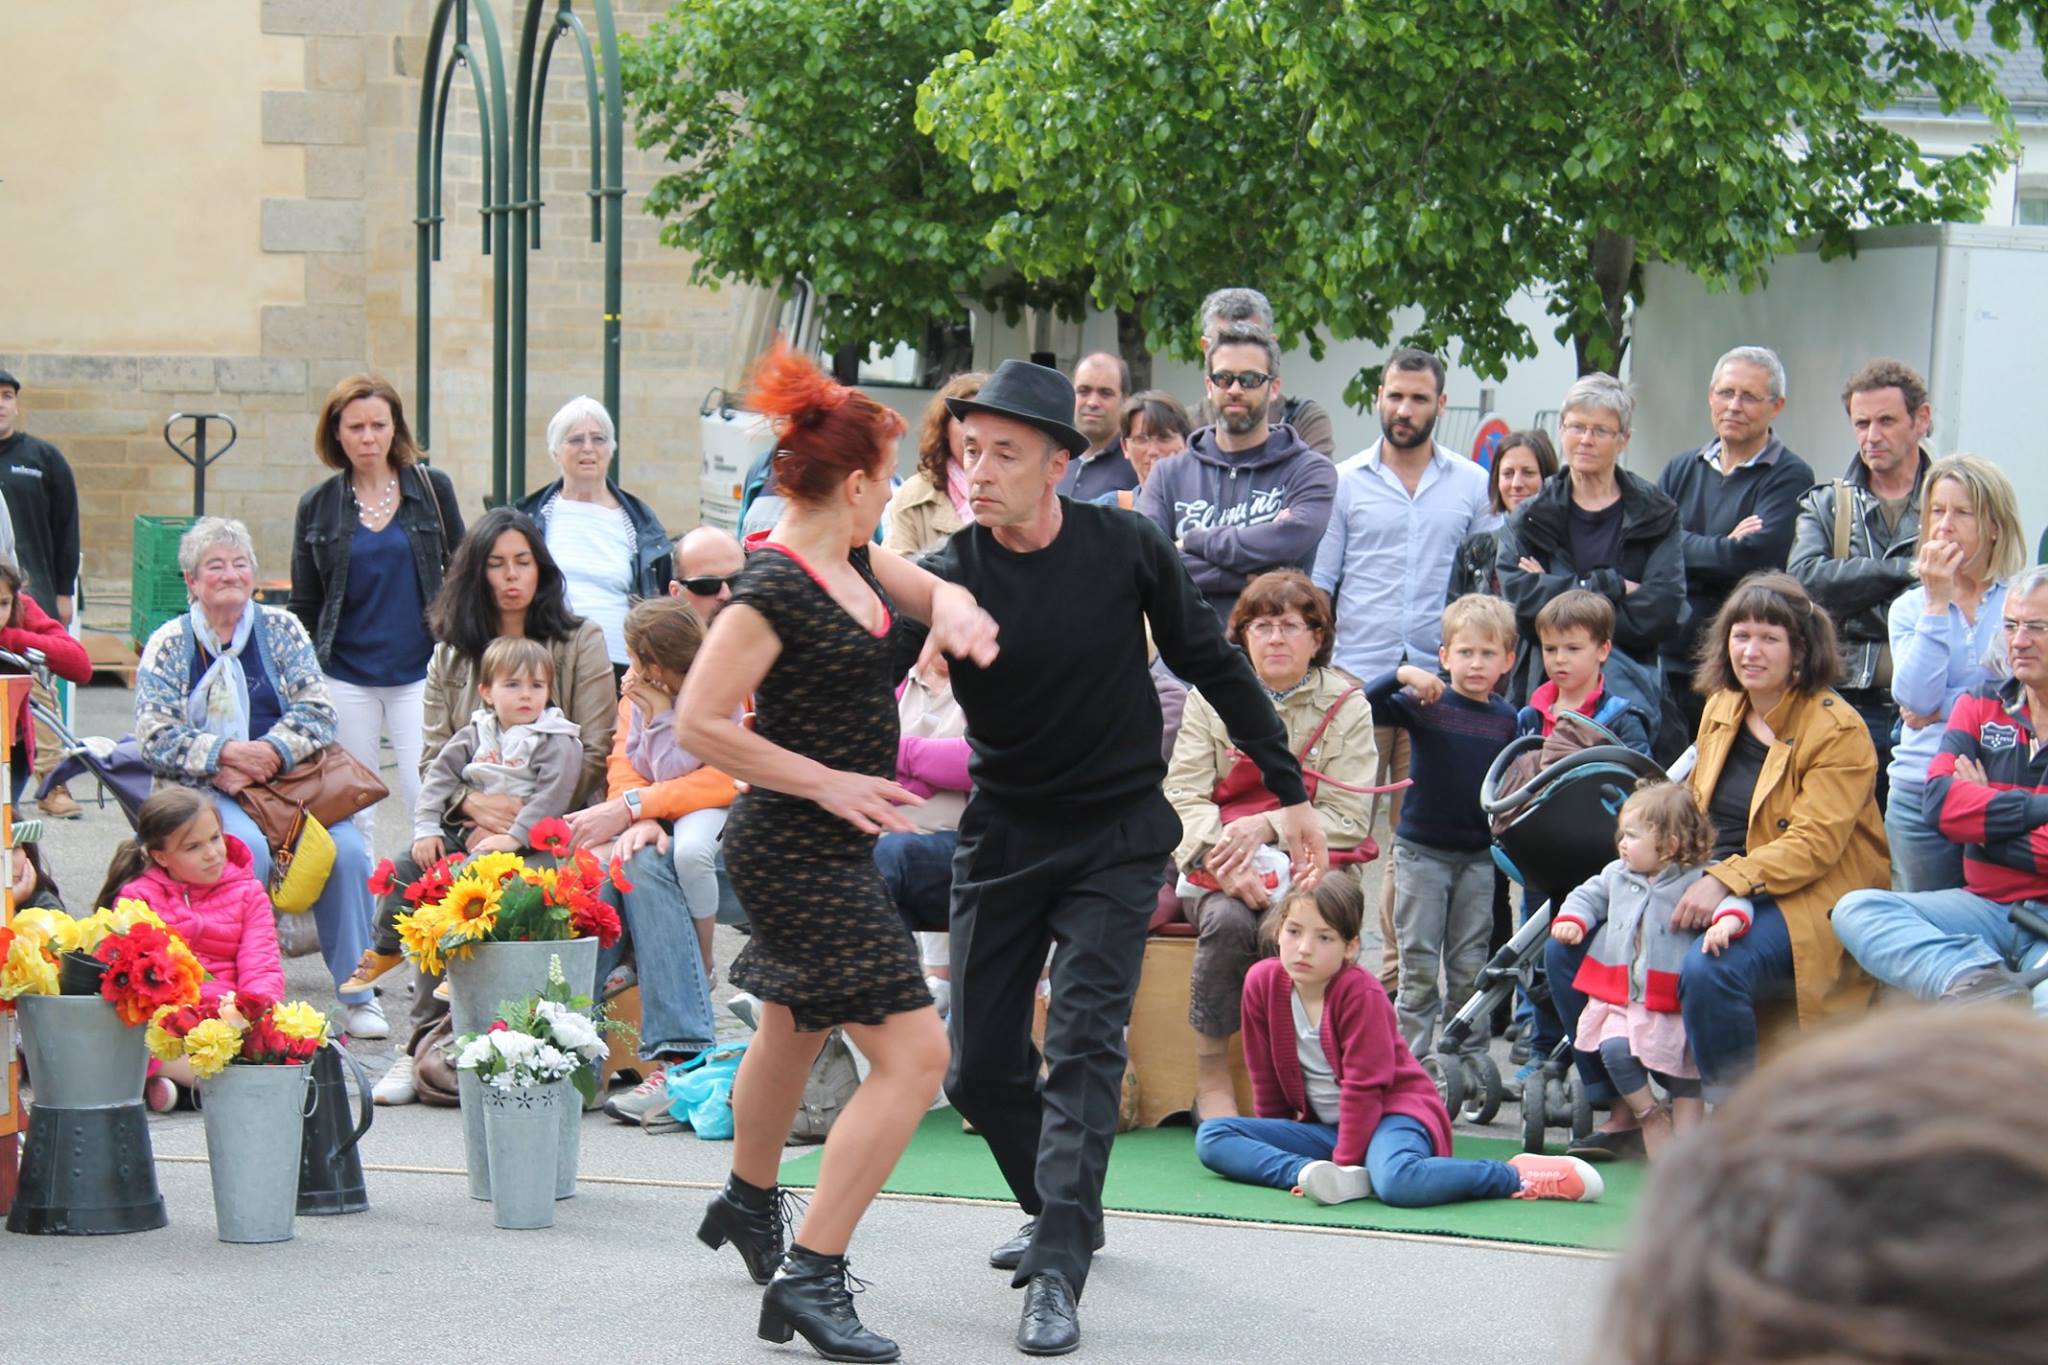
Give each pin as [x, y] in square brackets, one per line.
[1557, 1177]
[160, 1093]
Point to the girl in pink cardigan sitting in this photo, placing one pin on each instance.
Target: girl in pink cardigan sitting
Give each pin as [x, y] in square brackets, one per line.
[199, 882]
[1344, 1112]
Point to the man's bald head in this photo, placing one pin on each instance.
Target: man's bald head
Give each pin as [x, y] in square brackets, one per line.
[707, 559]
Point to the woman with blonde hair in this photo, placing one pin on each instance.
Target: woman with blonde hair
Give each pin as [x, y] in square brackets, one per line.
[1946, 642]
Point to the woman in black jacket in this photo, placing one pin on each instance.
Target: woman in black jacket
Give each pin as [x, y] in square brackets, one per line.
[1598, 527]
[611, 546]
[368, 549]
[1521, 462]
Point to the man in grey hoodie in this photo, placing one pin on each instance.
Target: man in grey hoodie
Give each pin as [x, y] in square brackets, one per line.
[1244, 497]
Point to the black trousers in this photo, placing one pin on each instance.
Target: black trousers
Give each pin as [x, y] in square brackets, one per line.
[1087, 887]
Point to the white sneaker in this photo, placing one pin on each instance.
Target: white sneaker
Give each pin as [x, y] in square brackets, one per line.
[745, 1008]
[366, 1021]
[1325, 1182]
[395, 1086]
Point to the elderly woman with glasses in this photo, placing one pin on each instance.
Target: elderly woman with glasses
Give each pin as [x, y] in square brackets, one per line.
[1602, 529]
[1284, 625]
[609, 544]
[231, 693]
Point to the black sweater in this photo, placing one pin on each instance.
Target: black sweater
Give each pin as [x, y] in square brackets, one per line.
[42, 501]
[1066, 720]
[1710, 504]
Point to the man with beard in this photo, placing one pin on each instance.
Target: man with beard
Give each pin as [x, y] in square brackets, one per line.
[1249, 497]
[1100, 382]
[1248, 307]
[1404, 505]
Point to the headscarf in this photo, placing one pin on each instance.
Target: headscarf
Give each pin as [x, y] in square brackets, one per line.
[219, 702]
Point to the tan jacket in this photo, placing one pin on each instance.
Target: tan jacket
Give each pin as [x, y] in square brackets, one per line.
[585, 688]
[920, 517]
[1815, 833]
[1202, 755]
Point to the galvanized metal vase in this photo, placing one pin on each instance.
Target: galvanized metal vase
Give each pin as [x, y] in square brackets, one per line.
[255, 1124]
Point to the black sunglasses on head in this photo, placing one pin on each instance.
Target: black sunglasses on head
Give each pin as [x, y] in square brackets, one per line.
[1243, 379]
[708, 585]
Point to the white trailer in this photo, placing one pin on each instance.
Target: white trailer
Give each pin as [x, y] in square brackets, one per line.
[1966, 306]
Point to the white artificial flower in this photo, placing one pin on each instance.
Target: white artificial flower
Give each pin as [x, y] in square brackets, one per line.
[475, 1054]
[512, 1046]
[578, 1034]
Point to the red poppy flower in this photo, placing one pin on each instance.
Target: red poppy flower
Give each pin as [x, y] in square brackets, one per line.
[618, 876]
[380, 878]
[550, 836]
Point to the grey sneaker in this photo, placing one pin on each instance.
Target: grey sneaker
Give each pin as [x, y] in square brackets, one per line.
[643, 1100]
[1987, 983]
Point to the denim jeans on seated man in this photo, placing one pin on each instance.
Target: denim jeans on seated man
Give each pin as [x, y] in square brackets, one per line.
[1925, 943]
[675, 998]
[1923, 858]
[1717, 999]
[343, 912]
[918, 869]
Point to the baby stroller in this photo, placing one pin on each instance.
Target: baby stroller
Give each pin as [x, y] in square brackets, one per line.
[116, 764]
[1552, 833]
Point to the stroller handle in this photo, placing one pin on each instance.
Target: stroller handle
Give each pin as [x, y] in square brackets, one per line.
[27, 661]
[1495, 805]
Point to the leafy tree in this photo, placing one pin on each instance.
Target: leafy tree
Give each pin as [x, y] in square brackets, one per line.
[1354, 157]
[790, 125]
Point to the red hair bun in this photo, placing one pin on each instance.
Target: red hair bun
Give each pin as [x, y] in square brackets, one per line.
[826, 430]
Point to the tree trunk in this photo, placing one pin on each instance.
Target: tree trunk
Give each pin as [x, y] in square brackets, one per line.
[1612, 259]
[1130, 344]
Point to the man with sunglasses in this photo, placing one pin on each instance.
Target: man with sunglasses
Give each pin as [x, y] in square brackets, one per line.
[1248, 496]
[707, 561]
[1987, 789]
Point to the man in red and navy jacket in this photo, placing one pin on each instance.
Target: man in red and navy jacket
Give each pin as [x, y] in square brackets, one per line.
[1988, 791]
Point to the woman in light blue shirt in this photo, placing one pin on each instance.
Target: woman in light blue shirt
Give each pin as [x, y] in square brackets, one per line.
[1946, 640]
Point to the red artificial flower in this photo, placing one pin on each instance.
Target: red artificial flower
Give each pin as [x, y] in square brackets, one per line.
[498, 1026]
[594, 917]
[380, 878]
[550, 836]
[618, 876]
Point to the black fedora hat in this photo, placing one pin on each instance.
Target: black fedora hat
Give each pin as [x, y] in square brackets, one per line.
[1035, 395]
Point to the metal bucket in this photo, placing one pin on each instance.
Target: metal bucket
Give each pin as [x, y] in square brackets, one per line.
[255, 1121]
[523, 1130]
[86, 1168]
[492, 974]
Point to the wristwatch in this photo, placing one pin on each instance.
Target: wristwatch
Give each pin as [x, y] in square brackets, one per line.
[632, 800]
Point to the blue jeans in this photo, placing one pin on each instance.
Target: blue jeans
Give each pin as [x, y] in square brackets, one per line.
[675, 998]
[1561, 966]
[919, 871]
[1925, 943]
[343, 911]
[1401, 1160]
[1923, 858]
[1717, 997]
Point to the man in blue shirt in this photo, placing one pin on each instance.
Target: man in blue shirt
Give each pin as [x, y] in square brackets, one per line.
[1404, 505]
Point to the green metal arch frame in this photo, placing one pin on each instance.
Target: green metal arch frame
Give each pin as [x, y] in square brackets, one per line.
[512, 202]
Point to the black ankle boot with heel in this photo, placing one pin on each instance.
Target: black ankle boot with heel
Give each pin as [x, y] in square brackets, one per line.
[813, 1295]
[753, 1220]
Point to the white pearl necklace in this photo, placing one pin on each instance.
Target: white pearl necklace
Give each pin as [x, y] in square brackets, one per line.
[376, 513]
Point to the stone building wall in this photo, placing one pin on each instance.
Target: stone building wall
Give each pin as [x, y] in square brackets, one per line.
[300, 148]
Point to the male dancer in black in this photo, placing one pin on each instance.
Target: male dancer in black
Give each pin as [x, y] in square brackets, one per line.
[1066, 837]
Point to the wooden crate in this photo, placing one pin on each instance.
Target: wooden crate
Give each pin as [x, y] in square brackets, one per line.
[625, 1054]
[1161, 1043]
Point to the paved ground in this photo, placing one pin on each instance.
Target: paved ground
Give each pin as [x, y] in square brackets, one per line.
[423, 1276]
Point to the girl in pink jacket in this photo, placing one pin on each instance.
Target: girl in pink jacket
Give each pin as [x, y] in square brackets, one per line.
[1344, 1111]
[198, 880]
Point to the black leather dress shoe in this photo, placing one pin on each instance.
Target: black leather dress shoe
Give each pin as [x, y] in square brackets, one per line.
[1051, 1325]
[1010, 1254]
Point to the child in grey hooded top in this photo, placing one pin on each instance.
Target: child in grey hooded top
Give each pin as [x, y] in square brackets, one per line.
[515, 744]
[1630, 972]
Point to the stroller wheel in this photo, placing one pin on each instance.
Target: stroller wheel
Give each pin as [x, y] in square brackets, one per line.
[1486, 1089]
[1582, 1108]
[1449, 1077]
[1533, 1125]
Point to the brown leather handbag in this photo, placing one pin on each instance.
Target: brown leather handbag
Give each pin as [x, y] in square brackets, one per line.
[330, 786]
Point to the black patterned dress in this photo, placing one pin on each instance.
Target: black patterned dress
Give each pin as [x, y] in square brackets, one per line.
[827, 941]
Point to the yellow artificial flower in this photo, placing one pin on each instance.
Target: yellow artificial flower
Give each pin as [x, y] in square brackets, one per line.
[129, 912]
[27, 970]
[544, 879]
[472, 912]
[297, 1019]
[46, 927]
[419, 933]
[490, 870]
[211, 1045]
[163, 1045]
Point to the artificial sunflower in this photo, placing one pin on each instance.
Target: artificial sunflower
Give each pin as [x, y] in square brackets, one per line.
[493, 869]
[419, 933]
[471, 913]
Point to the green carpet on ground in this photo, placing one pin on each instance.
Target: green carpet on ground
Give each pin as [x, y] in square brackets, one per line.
[1154, 1171]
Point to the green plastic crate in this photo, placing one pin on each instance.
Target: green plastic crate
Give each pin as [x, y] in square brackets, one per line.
[156, 588]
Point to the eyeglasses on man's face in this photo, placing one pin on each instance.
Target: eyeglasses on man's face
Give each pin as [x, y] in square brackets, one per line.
[1247, 380]
[708, 585]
